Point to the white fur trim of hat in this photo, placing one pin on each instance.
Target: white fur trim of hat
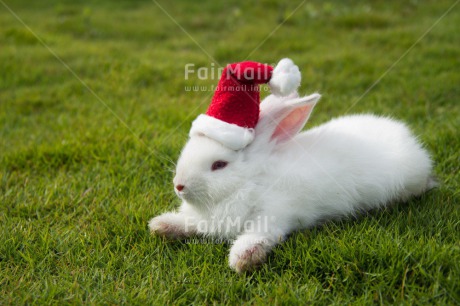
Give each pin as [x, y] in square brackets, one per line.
[230, 135]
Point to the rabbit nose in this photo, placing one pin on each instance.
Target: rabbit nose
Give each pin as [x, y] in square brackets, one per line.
[180, 187]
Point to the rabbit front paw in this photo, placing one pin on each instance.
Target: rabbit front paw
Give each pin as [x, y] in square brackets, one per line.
[248, 255]
[170, 225]
[248, 260]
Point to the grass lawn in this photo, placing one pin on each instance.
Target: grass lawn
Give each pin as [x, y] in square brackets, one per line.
[93, 112]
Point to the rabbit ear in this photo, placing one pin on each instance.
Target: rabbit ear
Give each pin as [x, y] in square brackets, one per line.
[283, 119]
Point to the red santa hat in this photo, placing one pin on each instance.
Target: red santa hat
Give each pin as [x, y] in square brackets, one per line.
[234, 110]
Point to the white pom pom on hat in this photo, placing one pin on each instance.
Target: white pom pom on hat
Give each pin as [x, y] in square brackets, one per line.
[285, 78]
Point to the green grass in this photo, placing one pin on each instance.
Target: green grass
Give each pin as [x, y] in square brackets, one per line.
[82, 172]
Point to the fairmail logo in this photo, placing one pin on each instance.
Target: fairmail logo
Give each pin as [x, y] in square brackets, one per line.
[215, 73]
[228, 225]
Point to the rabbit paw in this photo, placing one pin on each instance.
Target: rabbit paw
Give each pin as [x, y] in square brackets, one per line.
[170, 225]
[247, 257]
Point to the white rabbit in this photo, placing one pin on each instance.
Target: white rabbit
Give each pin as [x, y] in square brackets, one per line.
[284, 181]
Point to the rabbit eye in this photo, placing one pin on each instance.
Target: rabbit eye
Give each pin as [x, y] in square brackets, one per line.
[217, 165]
